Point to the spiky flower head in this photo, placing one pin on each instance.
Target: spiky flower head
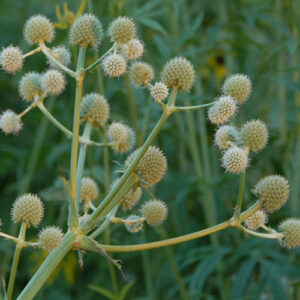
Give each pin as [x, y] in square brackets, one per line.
[122, 30]
[224, 108]
[38, 29]
[133, 49]
[254, 135]
[95, 109]
[50, 238]
[178, 72]
[131, 198]
[53, 82]
[62, 54]
[135, 226]
[152, 166]
[122, 136]
[235, 160]
[141, 73]
[291, 230]
[89, 189]
[225, 136]
[114, 65]
[238, 86]
[11, 59]
[257, 220]
[10, 123]
[29, 209]
[155, 212]
[159, 91]
[273, 191]
[30, 86]
[86, 31]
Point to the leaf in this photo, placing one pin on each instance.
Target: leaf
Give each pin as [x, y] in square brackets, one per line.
[104, 292]
[125, 289]
[153, 24]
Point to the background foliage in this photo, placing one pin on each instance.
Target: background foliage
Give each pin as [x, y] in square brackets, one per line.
[256, 37]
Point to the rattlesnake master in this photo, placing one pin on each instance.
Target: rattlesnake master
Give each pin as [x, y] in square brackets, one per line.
[30, 86]
[291, 230]
[238, 86]
[61, 54]
[133, 49]
[141, 73]
[86, 31]
[226, 135]
[89, 189]
[114, 65]
[273, 191]
[131, 198]
[10, 123]
[235, 160]
[37, 29]
[178, 72]
[254, 135]
[152, 166]
[29, 209]
[95, 109]
[134, 227]
[53, 82]
[159, 91]
[50, 238]
[11, 59]
[122, 30]
[154, 211]
[257, 220]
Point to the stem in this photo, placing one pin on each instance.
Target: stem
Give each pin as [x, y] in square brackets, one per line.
[239, 203]
[28, 109]
[187, 108]
[275, 236]
[15, 262]
[32, 52]
[9, 237]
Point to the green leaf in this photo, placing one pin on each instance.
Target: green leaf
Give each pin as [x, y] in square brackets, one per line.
[125, 289]
[104, 292]
[153, 24]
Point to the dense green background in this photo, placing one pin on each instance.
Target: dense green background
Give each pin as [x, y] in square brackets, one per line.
[256, 37]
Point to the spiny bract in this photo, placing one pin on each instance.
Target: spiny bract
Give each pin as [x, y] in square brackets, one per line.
[53, 82]
[114, 65]
[225, 136]
[154, 211]
[135, 226]
[11, 59]
[89, 189]
[159, 91]
[131, 198]
[141, 73]
[122, 30]
[50, 238]
[30, 86]
[291, 230]
[235, 160]
[61, 54]
[133, 49]
[10, 123]
[257, 220]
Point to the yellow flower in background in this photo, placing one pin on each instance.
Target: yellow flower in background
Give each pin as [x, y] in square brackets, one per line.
[217, 63]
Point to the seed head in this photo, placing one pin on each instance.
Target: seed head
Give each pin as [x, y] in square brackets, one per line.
[11, 59]
[224, 108]
[134, 227]
[141, 73]
[122, 30]
[291, 230]
[62, 54]
[86, 31]
[235, 160]
[257, 220]
[131, 198]
[159, 91]
[50, 238]
[89, 189]
[155, 212]
[53, 82]
[10, 123]
[153, 165]
[273, 191]
[114, 65]
[254, 135]
[179, 73]
[238, 86]
[30, 86]
[38, 29]
[133, 49]
[226, 135]
[95, 109]
[29, 209]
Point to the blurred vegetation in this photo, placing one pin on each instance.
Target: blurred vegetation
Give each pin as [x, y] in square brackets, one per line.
[257, 37]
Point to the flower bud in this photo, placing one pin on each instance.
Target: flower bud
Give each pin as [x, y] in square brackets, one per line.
[291, 230]
[114, 65]
[122, 30]
[159, 91]
[53, 82]
[11, 59]
[30, 86]
[10, 123]
[225, 136]
[257, 220]
[133, 49]
[235, 160]
[155, 212]
[141, 73]
[61, 54]
[131, 198]
[50, 238]
[134, 227]
[89, 189]
[29, 209]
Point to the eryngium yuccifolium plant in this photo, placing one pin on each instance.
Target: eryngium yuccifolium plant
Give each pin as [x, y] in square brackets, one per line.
[257, 220]
[235, 160]
[53, 82]
[11, 59]
[30, 86]
[89, 189]
[86, 31]
[141, 73]
[94, 109]
[10, 123]
[159, 91]
[133, 49]
[155, 212]
[38, 29]
[62, 55]
[227, 136]
[28, 209]
[50, 238]
[291, 230]
[114, 65]
[133, 227]
[131, 198]
[273, 192]
[122, 30]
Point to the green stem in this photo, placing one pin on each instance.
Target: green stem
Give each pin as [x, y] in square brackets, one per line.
[275, 235]
[32, 52]
[13, 271]
[193, 107]
[239, 203]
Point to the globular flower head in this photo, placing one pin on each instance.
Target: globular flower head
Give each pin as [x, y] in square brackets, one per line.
[62, 54]
[225, 136]
[238, 86]
[86, 31]
[53, 82]
[254, 135]
[141, 73]
[89, 189]
[95, 109]
[135, 226]
[224, 108]
[133, 49]
[11, 59]
[29, 209]
[50, 238]
[122, 30]
[179, 73]
[10, 123]
[30, 86]
[155, 212]
[114, 65]
[38, 29]
[152, 166]
[291, 230]
[131, 198]
[235, 160]
[257, 220]
[159, 91]
[273, 191]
